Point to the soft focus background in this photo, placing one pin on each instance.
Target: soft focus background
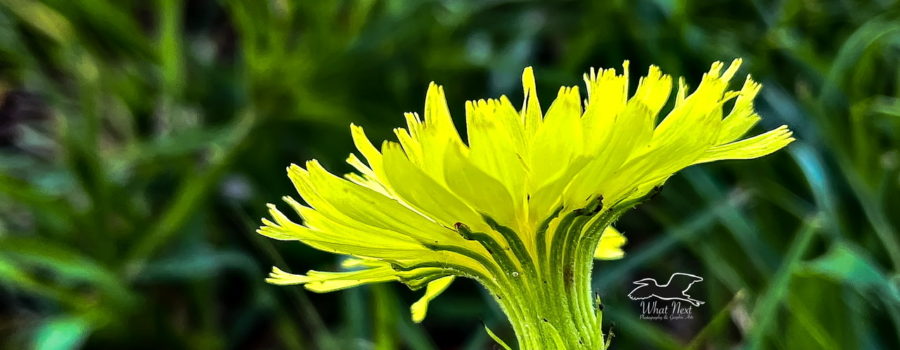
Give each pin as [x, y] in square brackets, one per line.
[140, 141]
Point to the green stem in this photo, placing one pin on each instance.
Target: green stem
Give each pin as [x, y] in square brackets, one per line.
[550, 305]
[550, 315]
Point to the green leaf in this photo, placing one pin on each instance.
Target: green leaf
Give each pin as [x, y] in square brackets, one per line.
[845, 263]
[19, 254]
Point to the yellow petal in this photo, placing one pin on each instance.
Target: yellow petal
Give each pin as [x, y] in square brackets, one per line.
[435, 134]
[435, 288]
[531, 107]
[423, 193]
[742, 117]
[368, 177]
[411, 146]
[753, 147]
[686, 133]
[323, 282]
[598, 176]
[372, 271]
[481, 191]
[694, 125]
[610, 246]
[341, 198]
[653, 90]
[332, 237]
[549, 155]
[437, 114]
[497, 143]
[607, 97]
[547, 198]
[365, 147]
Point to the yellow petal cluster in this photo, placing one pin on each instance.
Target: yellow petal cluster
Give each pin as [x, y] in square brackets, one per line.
[431, 206]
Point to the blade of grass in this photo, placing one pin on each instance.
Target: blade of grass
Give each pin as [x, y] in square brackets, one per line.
[170, 48]
[685, 232]
[815, 173]
[67, 263]
[189, 195]
[356, 314]
[767, 305]
[640, 329]
[496, 338]
[384, 317]
[742, 229]
[816, 176]
[413, 334]
[874, 211]
[718, 322]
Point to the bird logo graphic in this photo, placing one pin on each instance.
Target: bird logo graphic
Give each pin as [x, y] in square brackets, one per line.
[675, 289]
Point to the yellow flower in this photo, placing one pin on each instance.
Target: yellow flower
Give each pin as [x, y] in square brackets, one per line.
[525, 202]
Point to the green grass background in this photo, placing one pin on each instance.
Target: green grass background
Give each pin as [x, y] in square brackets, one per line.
[141, 139]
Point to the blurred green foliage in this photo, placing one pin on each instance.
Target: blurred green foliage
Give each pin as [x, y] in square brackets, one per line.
[140, 140]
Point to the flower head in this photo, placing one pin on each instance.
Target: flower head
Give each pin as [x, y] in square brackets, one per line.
[526, 199]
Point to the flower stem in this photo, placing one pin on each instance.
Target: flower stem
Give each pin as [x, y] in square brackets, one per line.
[549, 302]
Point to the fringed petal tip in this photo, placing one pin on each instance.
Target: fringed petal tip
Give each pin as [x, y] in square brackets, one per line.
[322, 282]
[282, 278]
[754, 147]
[326, 281]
